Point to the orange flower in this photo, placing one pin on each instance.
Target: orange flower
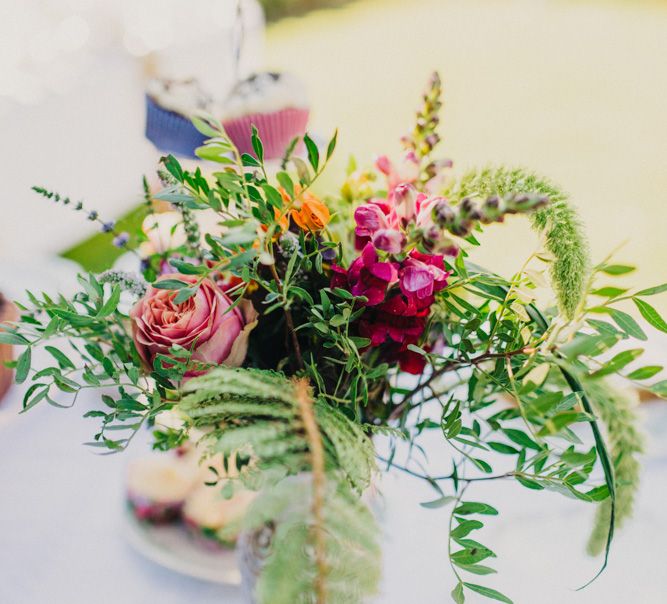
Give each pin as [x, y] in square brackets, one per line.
[312, 215]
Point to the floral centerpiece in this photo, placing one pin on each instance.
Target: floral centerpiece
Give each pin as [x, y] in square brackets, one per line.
[291, 329]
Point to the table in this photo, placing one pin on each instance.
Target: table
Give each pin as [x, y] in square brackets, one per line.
[61, 540]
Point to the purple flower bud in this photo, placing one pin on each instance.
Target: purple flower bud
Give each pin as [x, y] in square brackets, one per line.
[121, 239]
[107, 227]
[92, 215]
[443, 214]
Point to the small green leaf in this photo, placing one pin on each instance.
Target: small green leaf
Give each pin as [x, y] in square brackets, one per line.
[651, 291]
[477, 569]
[14, 339]
[185, 294]
[257, 146]
[185, 268]
[521, 438]
[465, 528]
[650, 314]
[627, 324]
[111, 304]
[457, 594]
[488, 593]
[644, 373]
[173, 167]
[273, 196]
[249, 160]
[205, 126]
[438, 503]
[660, 388]
[529, 483]
[170, 284]
[23, 365]
[313, 152]
[618, 362]
[62, 360]
[502, 448]
[332, 144]
[472, 507]
[215, 152]
[609, 292]
[617, 269]
[286, 183]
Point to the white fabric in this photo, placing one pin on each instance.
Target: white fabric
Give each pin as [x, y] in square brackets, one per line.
[61, 509]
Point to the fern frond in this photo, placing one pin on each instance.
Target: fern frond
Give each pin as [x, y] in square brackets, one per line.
[558, 221]
[259, 409]
[351, 551]
[324, 547]
[618, 414]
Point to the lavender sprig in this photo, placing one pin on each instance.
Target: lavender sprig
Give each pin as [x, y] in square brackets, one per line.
[120, 239]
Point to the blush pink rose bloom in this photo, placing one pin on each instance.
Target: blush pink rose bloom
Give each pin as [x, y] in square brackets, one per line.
[203, 324]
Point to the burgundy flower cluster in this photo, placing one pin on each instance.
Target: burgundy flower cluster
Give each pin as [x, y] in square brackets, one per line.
[399, 285]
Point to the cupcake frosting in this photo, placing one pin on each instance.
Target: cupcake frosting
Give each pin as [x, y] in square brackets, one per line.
[263, 93]
[160, 479]
[207, 508]
[185, 97]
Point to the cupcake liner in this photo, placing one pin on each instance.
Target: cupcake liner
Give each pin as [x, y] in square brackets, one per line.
[276, 129]
[171, 132]
[154, 512]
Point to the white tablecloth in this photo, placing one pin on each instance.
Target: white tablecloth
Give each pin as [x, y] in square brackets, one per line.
[61, 540]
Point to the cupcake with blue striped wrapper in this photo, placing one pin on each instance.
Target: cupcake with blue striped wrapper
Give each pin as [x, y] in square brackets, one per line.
[169, 107]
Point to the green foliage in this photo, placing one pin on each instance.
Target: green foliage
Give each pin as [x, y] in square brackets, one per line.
[558, 221]
[618, 415]
[258, 414]
[514, 392]
[352, 552]
[258, 410]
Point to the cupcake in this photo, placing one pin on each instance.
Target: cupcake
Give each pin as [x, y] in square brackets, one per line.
[169, 107]
[213, 520]
[275, 103]
[157, 487]
[7, 313]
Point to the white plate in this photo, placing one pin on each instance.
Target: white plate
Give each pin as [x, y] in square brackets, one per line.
[171, 546]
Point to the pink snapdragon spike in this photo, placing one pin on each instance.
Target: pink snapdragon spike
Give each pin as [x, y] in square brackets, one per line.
[425, 207]
[388, 240]
[396, 324]
[407, 171]
[371, 217]
[422, 275]
[367, 276]
[404, 201]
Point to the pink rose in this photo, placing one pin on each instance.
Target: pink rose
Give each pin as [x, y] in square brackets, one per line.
[203, 324]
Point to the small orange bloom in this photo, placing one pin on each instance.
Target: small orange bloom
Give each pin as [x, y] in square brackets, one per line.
[312, 215]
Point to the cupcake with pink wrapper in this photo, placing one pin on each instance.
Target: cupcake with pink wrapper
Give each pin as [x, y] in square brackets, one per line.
[275, 103]
[212, 520]
[157, 487]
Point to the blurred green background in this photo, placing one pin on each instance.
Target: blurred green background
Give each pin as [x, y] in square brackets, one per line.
[575, 90]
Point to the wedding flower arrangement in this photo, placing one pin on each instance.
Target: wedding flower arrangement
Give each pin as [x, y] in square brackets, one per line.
[291, 330]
